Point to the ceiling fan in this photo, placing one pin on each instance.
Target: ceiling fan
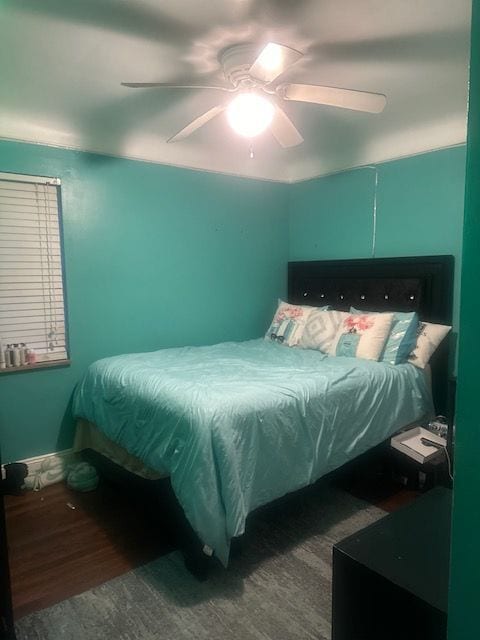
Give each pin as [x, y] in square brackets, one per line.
[250, 112]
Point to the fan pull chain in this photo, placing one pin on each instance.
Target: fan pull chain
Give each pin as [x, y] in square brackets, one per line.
[252, 155]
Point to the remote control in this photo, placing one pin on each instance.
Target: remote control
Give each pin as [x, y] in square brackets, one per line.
[431, 443]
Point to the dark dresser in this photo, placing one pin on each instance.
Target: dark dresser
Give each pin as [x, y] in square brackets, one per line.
[390, 580]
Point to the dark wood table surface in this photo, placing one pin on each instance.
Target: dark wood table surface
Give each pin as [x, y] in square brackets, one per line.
[404, 560]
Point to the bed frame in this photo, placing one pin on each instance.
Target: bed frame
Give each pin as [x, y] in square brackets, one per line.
[422, 284]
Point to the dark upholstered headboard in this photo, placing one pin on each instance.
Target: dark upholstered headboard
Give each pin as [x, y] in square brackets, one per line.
[423, 284]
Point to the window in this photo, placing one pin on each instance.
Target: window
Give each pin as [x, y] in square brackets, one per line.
[32, 304]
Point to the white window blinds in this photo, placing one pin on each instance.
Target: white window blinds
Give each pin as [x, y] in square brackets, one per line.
[32, 311]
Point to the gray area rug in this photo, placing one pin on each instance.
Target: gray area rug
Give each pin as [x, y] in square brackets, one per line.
[278, 588]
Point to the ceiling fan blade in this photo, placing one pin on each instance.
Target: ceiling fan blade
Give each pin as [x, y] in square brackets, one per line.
[197, 123]
[334, 97]
[272, 61]
[166, 85]
[283, 129]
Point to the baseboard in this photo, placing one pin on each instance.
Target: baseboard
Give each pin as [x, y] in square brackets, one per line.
[48, 469]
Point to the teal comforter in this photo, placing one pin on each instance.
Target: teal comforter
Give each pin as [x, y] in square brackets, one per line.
[237, 425]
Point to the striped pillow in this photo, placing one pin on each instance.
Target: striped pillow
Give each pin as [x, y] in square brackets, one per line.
[402, 338]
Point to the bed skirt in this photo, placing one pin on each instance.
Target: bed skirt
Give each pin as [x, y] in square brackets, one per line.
[88, 436]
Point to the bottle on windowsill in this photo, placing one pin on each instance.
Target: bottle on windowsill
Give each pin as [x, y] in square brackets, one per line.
[22, 350]
[15, 356]
[8, 356]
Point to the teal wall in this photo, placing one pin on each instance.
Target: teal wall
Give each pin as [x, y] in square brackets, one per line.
[155, 256]
[464, 618]
[158, 256]
[420, 203]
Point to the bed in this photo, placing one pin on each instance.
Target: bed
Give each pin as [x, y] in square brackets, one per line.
[237, 425]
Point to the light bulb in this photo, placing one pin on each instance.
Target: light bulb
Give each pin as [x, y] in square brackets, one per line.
[249, 114]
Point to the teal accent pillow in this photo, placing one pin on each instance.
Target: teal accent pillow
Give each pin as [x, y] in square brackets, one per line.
[402, 339]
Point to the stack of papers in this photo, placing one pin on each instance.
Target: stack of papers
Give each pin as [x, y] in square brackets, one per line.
[409, 442]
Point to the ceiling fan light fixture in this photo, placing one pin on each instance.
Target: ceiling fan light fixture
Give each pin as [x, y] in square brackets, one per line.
[271, 58]
[250, 114]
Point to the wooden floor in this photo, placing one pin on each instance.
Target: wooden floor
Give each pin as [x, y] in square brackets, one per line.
[57, 551]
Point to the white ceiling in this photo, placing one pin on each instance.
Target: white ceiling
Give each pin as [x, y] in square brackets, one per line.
[62, 61]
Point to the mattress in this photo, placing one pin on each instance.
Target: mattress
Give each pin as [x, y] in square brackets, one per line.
[236, 425]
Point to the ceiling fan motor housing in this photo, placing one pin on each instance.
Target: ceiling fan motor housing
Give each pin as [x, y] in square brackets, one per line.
[236, 62]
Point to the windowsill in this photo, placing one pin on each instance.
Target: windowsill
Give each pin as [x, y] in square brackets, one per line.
[38, 365]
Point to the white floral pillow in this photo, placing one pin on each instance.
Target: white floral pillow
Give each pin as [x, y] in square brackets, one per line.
[288, 323]
[362, 336]
[429, 336]
[321, 328]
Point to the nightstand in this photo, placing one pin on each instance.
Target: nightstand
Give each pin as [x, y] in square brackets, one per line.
[415, 475]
